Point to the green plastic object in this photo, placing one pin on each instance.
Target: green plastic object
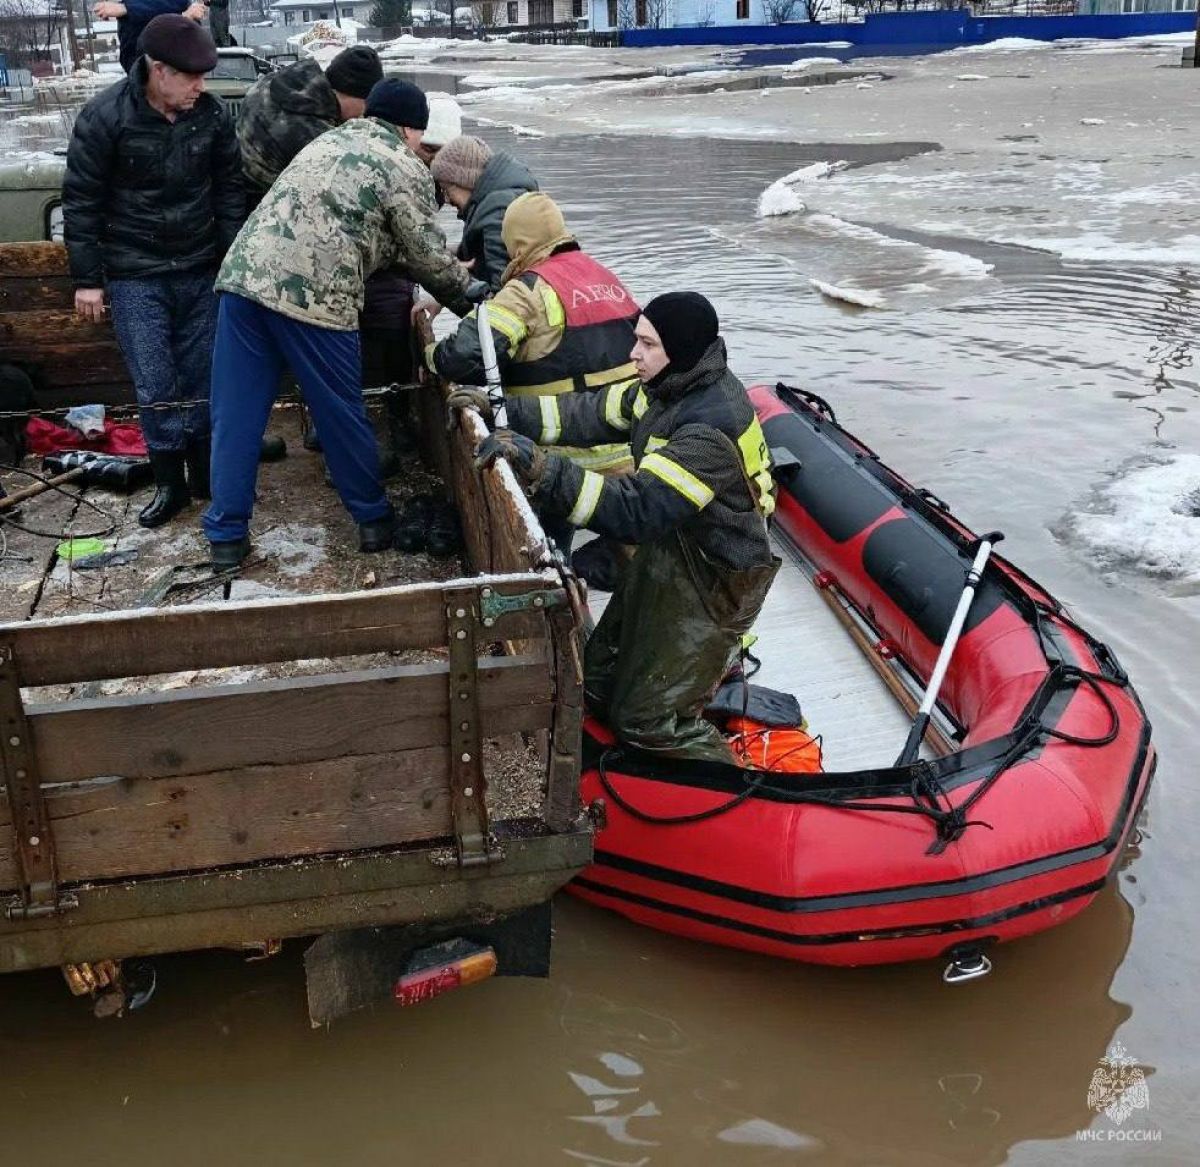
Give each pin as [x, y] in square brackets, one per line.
[72, 549]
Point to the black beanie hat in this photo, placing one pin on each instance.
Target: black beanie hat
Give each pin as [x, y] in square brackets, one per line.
[398, 102]
[354, 71]
[179, 42]
[686, 324]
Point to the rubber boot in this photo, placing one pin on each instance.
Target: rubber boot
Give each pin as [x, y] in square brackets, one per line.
[197, 457]
[378, 535]
[227, 555]
[171, 494]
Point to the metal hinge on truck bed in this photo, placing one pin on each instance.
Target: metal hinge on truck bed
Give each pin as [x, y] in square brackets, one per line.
[33, 840]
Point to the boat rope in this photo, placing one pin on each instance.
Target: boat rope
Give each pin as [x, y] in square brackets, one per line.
[929, 798]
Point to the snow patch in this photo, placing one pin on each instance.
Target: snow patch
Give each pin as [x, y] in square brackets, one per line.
[859, 297]
[296, 549]
[1092, 122]
[1149, 518]
[810, 63]
[1008, 44]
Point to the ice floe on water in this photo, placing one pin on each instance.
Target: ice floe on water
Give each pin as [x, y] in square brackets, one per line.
[933, 261]
[781, 199]
[859, 297]
[1146, 518]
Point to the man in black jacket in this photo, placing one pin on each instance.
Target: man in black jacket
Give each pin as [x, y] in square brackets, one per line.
[132, 16]
[152, 198]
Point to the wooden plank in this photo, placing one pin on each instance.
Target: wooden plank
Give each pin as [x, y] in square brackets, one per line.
[304, 898]
[33, 259]
[57, 365]
[50, 327]
[203, 636]
[99, 393]
[20, 294]
[111, 828]
[289, 721]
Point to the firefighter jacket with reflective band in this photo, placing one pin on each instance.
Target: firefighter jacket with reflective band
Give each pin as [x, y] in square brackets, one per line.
[702, 462]
[564, 324]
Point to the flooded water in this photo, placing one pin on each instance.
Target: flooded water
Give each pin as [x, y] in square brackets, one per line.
[1024, 390]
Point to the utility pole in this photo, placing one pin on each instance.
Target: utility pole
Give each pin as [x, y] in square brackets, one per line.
[337, 14]
[1196, 51]
[87, 24]
[72, 41]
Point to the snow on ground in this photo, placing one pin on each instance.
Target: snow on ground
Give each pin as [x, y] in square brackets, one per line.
[295, 548]
[1147, 518]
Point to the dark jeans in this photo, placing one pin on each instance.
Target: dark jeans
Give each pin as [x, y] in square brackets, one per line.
[254, 345]
[165, 326]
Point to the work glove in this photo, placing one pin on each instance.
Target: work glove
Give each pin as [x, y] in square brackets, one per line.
[468, 397]
[524, 456]
[477, 291]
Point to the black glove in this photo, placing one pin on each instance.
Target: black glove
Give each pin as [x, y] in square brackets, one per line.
[477, 291]
[524, 456]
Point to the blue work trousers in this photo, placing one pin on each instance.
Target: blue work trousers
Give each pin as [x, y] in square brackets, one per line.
[253, 346]
[165, 326]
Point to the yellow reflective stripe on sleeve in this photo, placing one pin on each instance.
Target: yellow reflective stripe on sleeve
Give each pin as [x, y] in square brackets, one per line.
[608, 457]
[677, 478]
[508, 323]
[546, 389]
[551, 421]
[586, 500]
[640, 404]
[555, 314]
[626, 373]
[653, 443]
[429, 356]
[756, 459]
[612, 408]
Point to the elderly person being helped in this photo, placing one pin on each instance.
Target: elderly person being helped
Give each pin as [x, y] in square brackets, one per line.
[697, 508]
[353, 201]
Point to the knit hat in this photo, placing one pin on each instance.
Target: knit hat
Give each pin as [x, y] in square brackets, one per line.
[445, 120]
[460, 162]
[398, 102]
[354, 71]
[686, 324]
[178, 42]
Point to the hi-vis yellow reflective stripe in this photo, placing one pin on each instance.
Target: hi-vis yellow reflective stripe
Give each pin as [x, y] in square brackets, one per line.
[613, 414]
[551, 421]
[756, 458]
[640, 404]
[586, 500]
[612, 456]
[555, 314]
[653, 443]
[505, 322]
[676, 477]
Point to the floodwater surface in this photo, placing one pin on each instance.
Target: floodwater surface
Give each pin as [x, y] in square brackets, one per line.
[1023, 390]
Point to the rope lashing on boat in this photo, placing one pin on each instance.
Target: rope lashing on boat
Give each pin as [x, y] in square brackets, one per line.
[814, 399]
[930, 799]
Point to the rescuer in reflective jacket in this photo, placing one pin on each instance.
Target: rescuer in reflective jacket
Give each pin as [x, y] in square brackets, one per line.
[561, 322]
[697, 507]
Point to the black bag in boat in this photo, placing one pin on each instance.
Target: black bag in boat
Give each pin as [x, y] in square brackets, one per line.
[771, 707]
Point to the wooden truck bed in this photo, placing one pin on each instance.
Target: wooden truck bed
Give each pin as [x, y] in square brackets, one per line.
[350, 790]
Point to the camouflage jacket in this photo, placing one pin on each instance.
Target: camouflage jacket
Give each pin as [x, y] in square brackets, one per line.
[281, 114]
[352, 202]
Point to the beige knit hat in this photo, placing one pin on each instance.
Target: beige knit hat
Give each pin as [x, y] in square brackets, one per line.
[460, 162]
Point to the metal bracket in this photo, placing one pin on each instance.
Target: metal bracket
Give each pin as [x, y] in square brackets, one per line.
[32, 837]
[467, 781]
[493, 605]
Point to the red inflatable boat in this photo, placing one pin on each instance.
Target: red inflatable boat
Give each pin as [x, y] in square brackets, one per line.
[1045, 752]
